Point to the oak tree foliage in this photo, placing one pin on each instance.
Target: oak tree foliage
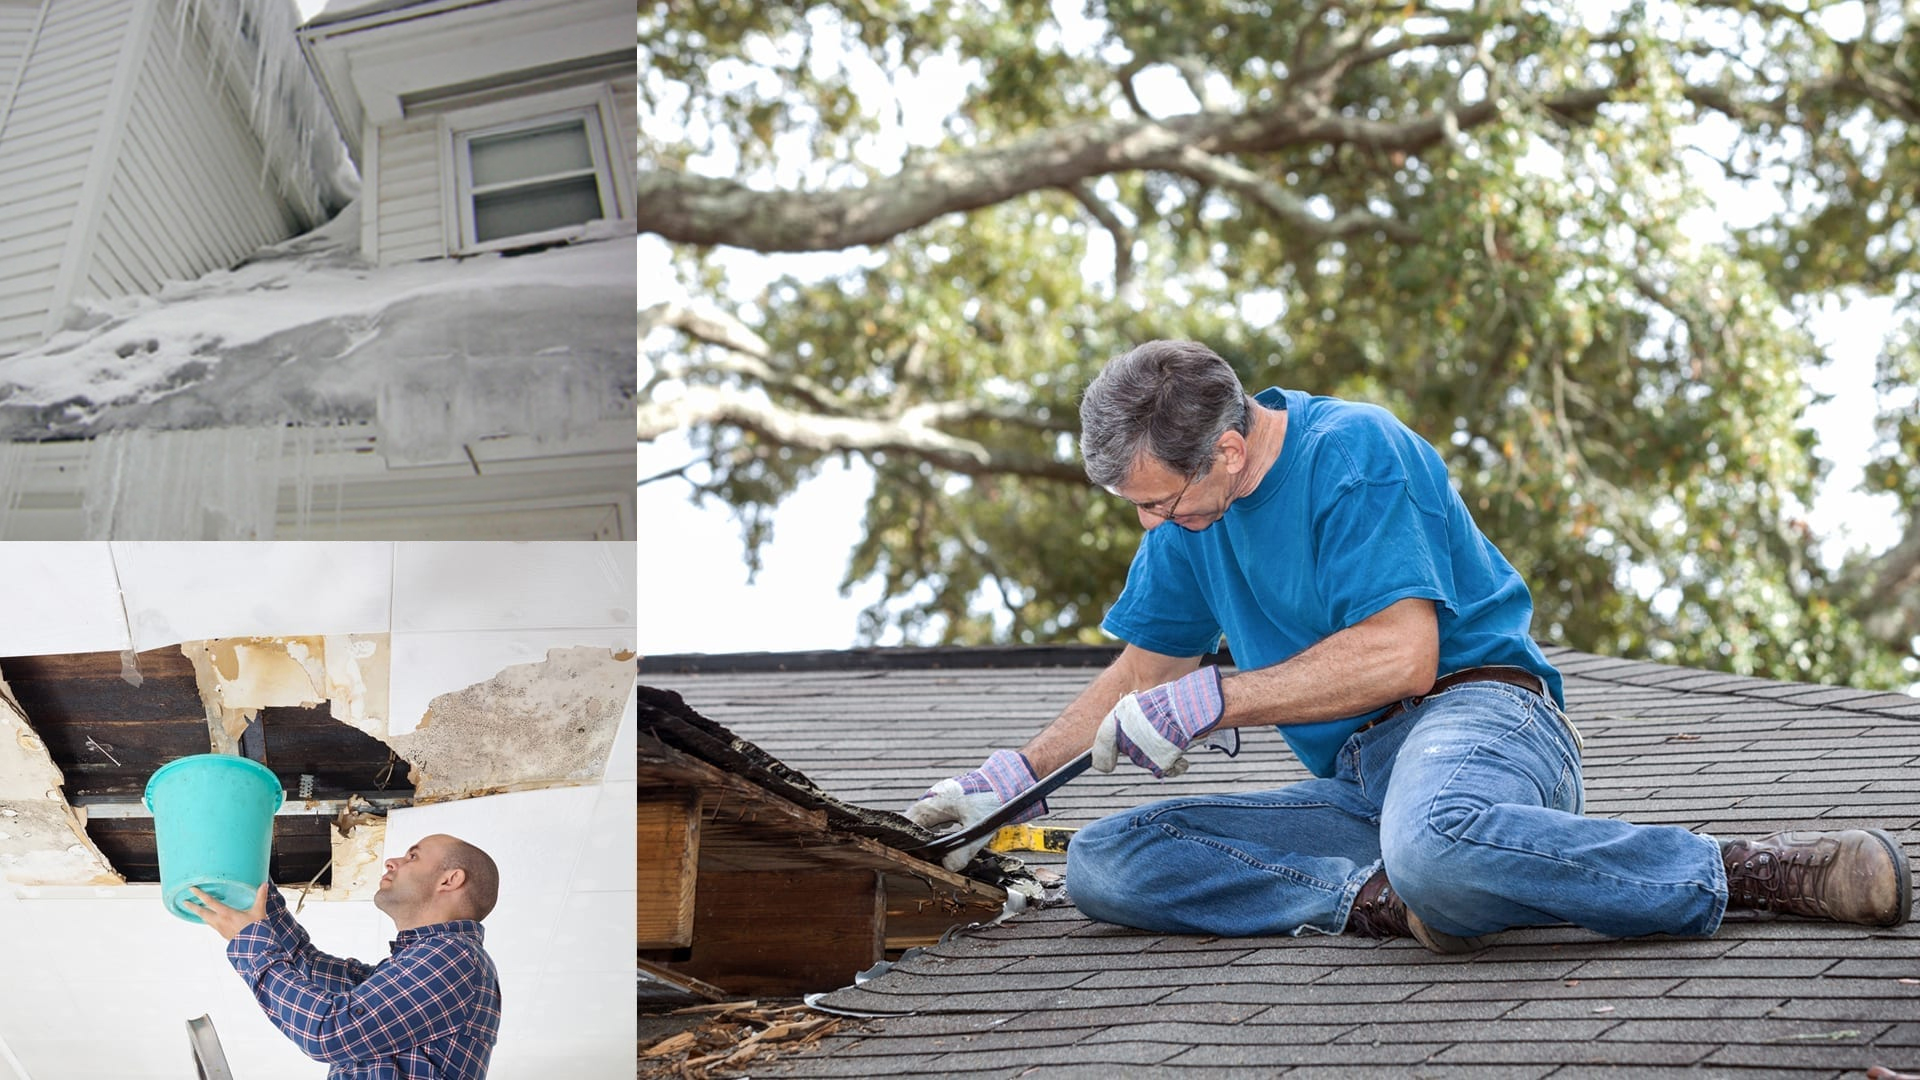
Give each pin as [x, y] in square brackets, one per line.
[1489, 217]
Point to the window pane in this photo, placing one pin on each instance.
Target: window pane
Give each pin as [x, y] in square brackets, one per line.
[501, 159]
[535, 208]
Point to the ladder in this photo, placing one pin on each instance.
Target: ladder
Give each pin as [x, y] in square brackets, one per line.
[207, 1055]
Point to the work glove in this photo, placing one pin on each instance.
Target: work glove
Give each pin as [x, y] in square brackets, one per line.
[1155, 727]
[969, 798]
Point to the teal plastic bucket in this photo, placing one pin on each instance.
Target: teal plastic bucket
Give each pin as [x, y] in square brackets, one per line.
[213, 823]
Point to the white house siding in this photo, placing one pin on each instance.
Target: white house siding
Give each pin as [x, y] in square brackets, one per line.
[16, 27]
[411, 214]
[56, 115]
[188, 193]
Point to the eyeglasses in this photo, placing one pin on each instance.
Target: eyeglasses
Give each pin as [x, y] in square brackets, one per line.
[1172, 507]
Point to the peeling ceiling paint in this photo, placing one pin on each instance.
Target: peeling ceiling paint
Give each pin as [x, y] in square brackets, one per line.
[543, 724]
[238, 677]
[42, 840]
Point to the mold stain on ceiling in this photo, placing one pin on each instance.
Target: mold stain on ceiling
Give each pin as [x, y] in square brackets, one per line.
[545, 724]
[318, 705]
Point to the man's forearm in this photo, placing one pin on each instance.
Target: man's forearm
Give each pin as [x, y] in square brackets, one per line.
[1377, 661]
[1072, 731]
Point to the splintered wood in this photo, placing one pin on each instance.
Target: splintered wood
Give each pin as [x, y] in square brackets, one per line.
[728, 1036]
[756, 882]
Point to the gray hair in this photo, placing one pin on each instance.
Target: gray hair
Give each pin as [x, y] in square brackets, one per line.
[1171, 400]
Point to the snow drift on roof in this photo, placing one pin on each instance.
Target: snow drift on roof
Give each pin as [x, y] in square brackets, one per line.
[436, 354]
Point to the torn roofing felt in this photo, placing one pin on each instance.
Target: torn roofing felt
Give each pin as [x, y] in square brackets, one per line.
[666, 717]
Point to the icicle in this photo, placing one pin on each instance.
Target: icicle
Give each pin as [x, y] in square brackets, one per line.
[16, 472]
[311, 446]
[302, 154]
[184, 485]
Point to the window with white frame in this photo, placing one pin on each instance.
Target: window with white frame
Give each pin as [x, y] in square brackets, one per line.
[532, 176]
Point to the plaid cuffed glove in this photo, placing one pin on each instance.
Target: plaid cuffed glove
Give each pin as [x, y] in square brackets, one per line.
[967, 799]
[1155, 727]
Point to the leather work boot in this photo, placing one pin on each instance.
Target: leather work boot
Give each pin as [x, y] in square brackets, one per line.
[1378, 912]
[1856, 876]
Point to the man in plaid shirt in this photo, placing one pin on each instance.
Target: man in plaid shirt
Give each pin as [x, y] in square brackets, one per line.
[431, 1010]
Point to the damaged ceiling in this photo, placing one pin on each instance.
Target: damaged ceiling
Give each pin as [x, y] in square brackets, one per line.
[87, 733]
[402, 677]
[366, 676]
[102, 736]
[84, 733]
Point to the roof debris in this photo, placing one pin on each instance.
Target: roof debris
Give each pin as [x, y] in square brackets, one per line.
[728, 1036]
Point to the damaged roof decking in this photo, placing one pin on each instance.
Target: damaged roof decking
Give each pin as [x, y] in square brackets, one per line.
[107, 737]
[1717, 753]
[737, 842]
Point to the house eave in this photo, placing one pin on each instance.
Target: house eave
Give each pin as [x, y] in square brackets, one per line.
[369, 59]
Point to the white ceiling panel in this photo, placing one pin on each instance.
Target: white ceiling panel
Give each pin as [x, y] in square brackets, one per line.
[60, 598]
[192, 591]
[427, 664]
[534, 837]
[595, 933]
[596, 1007]
[606, 862]
[502, 586]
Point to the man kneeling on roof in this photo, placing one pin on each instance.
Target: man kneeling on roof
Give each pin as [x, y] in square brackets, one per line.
[431, 1011]
[1387, 639]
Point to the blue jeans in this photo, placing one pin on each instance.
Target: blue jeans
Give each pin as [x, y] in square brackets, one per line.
[1470, 798]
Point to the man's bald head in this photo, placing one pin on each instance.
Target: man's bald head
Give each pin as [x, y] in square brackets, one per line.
[482, 887]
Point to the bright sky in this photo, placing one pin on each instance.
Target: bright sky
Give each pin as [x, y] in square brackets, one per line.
[693, 570]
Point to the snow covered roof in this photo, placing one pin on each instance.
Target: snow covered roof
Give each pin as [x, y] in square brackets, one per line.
[434, 354]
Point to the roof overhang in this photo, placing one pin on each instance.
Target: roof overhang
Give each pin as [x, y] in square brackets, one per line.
[370, 60]
[745, 844]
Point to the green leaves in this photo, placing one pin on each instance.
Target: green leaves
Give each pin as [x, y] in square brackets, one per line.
[1541, 288]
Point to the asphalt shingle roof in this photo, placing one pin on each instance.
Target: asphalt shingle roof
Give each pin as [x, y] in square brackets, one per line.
[1721, 754]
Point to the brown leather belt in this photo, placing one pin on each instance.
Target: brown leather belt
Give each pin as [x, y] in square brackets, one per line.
[1512, 676]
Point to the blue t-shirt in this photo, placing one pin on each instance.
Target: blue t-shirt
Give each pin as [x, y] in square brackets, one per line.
[1355, 515]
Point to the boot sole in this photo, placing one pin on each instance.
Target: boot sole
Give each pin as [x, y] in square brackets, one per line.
[1903, 876]
[1444, 944]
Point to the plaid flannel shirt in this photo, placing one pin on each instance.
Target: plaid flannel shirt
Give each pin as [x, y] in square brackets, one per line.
[431, 1010]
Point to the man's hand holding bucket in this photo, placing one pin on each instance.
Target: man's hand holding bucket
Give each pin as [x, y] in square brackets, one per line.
[227, 921]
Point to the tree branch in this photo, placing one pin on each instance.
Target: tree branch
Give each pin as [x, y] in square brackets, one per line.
[910, 433]
[710, 326]
[1125, 74]
[1122, 236]
[691, 209]
[1890, 610]
[1288, 206]
[747, 354]
[1332, 69]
